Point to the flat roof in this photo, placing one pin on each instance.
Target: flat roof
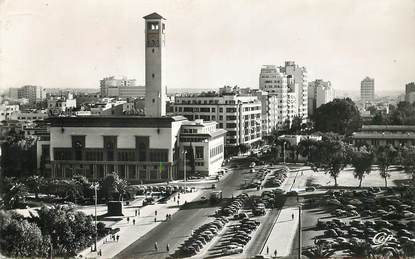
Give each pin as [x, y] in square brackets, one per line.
[213, 134]
[361, 135]
[115, 121]
[388, 127]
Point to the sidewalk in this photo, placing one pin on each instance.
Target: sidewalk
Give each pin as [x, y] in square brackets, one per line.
[283, 233]
[129, 233]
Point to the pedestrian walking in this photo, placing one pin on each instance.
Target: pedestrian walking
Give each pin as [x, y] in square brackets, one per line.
[168, 248]
[174, 198]
[136, 213]
[128, 219]
[100, 252]
[267, 249]
[156, 246]
[155, 219]
[133, 221]
[178, 202]
[118, 238]
[275, 252]
[292, 216]
[155, 213]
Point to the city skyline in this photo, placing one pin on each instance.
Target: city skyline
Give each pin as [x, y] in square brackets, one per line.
[75, 44]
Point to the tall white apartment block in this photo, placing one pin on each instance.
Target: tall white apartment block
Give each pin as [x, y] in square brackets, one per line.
[274, 82]
[319, 92]
[155, 65]
[367, 89]
[297, 83]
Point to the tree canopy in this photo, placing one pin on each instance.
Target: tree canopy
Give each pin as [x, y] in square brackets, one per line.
[385, 156]
[362, 161]
[340, 116]
[329, 155]
[402, 114]
[19, 156]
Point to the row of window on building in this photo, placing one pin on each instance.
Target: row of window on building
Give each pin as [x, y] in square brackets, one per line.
[67, 154]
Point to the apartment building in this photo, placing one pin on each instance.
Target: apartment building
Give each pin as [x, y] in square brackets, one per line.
[297, 82]
[239, 115]
[121, 87]
[319, 92]
[410, 92]
[272, 81]
[59, 105]
[33, 93]
[7, 110]
[367, 90]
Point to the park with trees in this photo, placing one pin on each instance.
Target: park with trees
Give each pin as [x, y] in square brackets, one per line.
[57, 228]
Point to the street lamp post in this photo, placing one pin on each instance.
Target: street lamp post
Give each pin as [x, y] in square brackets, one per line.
[95, 186]
[300, 243]
[185, 178]
[283, 148]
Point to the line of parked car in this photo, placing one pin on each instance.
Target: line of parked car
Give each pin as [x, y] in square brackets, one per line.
[368, 204]
[340, 235]
[161, 189]
[201, 236]
[234, 207]
[380, 211]
[240, 234]
[277, 178]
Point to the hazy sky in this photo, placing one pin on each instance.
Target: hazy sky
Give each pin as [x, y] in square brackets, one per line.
[210, 43]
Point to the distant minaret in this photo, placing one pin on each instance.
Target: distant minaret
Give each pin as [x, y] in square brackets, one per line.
[155, 100]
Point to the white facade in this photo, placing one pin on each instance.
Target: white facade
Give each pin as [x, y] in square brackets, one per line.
[367, 89]
[274, 82]
[138, 148]
[240, 116]
[28, 116]
[297, 82]
[155, 69]
[121, 88]
[270, 111]
[60, 105]
[207, 143]
[319, 92]
[7, 110]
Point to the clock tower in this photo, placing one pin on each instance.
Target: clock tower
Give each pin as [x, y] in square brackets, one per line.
[155, 98]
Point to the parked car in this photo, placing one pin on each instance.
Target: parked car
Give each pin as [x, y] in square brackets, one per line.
[232, 250]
